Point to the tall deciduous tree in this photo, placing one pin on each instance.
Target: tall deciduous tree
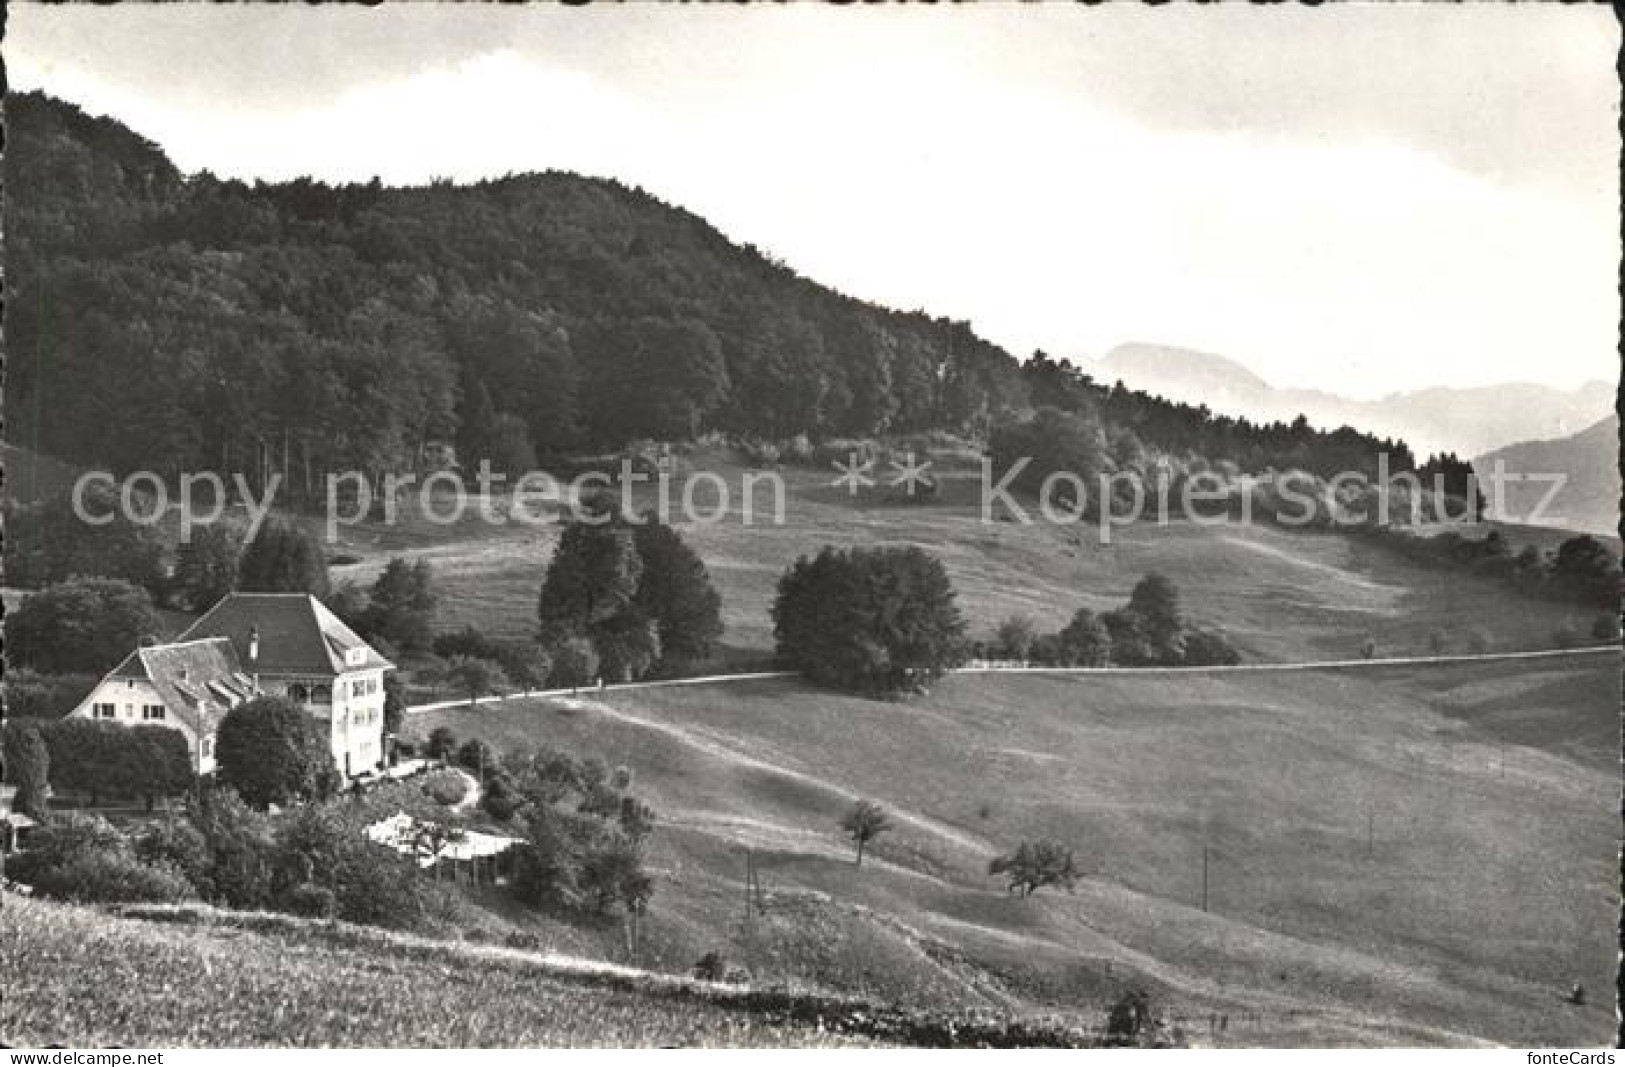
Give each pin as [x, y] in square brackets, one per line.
[282, 558]
[272, 752]
[675, 591]
[83, 625]
[863, 822]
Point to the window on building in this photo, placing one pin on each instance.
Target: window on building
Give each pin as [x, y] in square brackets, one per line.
[104, 711]
[207, 748]
[153, 712]
[298, 693]
[322, 694]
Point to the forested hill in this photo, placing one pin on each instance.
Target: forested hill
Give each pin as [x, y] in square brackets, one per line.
[170, 322]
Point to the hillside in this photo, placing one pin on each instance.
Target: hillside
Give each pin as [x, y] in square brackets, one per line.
[1464, 421]
[1589, 461]
[1399, 855]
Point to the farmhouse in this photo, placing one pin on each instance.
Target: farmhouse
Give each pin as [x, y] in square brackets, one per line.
[188, 686]
[280, 644]
[291, 646]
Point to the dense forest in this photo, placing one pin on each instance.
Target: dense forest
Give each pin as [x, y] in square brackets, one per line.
[175, 322]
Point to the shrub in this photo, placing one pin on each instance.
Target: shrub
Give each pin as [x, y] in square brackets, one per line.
[1085, 642]
[84, 858]
[1015, 638]
[27, 765]
[1036, 864]
[310, 900]
[864, 822]
[114, 877]
[525, 940]
[447, 790]
[1606, 627]
[1207, 648]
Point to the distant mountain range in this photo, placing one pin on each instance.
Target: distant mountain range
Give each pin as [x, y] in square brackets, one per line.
[1468, 422]
[1588, 460]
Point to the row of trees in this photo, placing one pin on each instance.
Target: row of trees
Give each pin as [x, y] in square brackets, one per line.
[883, 621]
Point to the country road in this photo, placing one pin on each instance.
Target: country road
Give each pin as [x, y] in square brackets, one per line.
[1319, 665]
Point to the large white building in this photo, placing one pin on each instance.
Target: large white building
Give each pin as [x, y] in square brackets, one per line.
[281, 644]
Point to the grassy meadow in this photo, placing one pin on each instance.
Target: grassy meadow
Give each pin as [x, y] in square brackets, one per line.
[1282, 595]
[1420, 855]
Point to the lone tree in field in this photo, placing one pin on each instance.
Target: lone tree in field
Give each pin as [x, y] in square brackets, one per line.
[271, 752]
[873, 620]
[282, 558]
[1034, 865]
[863, 822]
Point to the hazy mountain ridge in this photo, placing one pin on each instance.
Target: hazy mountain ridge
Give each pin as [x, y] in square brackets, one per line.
[1468, 421]
[1589, 461]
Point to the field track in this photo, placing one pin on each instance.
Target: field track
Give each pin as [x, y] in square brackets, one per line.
[1322, 665]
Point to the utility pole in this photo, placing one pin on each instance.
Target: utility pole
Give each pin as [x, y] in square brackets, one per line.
[1204, 877]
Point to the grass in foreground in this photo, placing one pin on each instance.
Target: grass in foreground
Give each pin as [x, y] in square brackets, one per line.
[157, 976]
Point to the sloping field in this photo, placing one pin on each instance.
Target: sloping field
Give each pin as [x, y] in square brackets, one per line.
[1395, 855]
[79, 977]
[1283, 595]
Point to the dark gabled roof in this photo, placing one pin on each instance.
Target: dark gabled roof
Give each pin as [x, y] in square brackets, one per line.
[184, 673]
[298, 635]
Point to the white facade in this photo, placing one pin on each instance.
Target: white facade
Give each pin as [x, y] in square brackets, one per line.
[352, 707]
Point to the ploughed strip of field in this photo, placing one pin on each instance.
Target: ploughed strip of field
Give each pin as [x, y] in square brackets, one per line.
[1398, 855]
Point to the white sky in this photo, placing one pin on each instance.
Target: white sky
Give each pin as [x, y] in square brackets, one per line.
[1361, 199]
